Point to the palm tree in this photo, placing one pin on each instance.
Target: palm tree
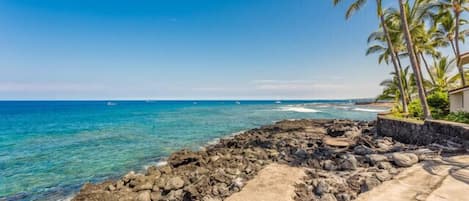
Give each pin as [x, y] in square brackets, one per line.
[422, 35]
[456, 7]
[391, 89]
[441, 71]
[413, 59]
[355, 6]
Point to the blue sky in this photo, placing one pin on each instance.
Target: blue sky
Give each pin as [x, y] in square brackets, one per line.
[205, 49]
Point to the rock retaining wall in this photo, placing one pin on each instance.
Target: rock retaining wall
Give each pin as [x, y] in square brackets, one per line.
[428, 132]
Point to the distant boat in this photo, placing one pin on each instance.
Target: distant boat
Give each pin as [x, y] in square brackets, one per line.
[237, 102]
[278, 102]
[111, 104]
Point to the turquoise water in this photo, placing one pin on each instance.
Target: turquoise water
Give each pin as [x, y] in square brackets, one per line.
[48, 149]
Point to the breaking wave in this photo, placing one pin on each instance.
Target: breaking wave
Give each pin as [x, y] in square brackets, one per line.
[298, 109]
[370, 110]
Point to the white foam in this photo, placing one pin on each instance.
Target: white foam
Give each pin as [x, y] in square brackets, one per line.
[161, 163]
[212, 142]
[342, 107]
[370, 110]
[298, 109]
[217, 140]
[323, 106]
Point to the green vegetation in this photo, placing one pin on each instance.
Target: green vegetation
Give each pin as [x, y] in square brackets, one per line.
[413, 36]
[462, 117]
[415, 109]
[439, 104]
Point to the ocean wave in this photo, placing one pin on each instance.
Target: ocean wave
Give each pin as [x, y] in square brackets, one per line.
[343, 107]
[370, 110]
[158, 163]
[323, 106]
[298, 109]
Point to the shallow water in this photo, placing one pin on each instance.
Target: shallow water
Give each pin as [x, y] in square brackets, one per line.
[48, 149]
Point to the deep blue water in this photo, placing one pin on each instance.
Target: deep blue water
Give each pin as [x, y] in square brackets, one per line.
[48, 149]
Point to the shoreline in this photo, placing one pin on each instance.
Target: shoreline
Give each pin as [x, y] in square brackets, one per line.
[218, 170]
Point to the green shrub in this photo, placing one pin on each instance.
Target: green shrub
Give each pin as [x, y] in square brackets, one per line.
[462, 117]
[438, 102]
[415, 109]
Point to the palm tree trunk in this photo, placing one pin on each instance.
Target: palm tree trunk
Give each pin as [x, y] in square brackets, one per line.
[427, 68]
[395, 64]
[404, 80]
[456, 43]
[417, 57]
[413, 61]
[453, 48]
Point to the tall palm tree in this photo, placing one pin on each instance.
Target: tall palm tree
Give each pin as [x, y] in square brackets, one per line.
[355, 6]
[422, 35]
[413, 59]
[456, 7]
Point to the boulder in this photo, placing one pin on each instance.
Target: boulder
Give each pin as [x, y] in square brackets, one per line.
[343, 197]
[301, 153]
[376, 158]
[145, 185]
[362, 150]
[321, 188]
[214, 158]
[155, 196]
[129, 176]
[383, 176]
[384, 165]
[238, 182]
[220, 189]
[144, 196]
[369, 184]
[337, 130]
[111, 187]
[329, 165]
[404, 159]
[165, 169]
[349, 163]
[183, 157]
[175, 195]
[153, 171]
[174, 183]
[337, 141]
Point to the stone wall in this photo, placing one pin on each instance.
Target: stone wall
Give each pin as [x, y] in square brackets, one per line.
[423, 133]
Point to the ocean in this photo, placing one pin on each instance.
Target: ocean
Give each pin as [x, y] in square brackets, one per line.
[49, 149]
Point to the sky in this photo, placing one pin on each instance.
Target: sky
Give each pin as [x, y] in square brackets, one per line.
[176, 49]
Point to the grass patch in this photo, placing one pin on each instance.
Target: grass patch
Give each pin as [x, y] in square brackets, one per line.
[403, 117]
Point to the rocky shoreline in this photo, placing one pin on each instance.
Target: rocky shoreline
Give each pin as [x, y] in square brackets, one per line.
[343, 158]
